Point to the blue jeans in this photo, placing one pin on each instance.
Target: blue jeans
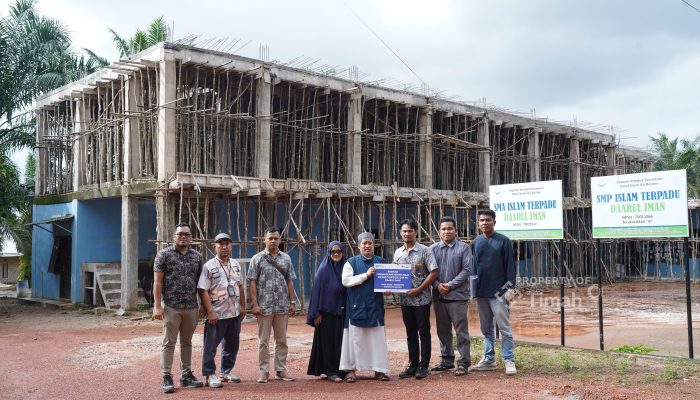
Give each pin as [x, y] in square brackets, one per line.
[497, 309]
[227, 331]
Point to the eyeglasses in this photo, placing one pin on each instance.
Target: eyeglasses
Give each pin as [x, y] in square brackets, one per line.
[336, 252]
[185, 234]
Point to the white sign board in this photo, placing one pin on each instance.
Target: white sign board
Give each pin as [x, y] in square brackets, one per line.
[651, 204]
[528, 211]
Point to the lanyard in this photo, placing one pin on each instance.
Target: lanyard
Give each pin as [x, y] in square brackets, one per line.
[228, 277]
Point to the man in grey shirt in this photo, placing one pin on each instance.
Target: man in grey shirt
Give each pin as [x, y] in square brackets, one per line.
[271, 285]
[451, 296]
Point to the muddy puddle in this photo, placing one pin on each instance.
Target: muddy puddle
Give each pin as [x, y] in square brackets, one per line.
[652, 314]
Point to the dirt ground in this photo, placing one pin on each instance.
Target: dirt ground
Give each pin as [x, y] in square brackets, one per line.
[648, 313]
[50, 354]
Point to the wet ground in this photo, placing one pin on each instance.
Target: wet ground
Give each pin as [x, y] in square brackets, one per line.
[649, 313]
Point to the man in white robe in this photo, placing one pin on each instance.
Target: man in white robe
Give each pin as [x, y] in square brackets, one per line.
[364, 338]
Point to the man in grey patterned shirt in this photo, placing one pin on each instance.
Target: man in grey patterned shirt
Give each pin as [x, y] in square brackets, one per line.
[271, 284]
[415, 304]
[175, 275]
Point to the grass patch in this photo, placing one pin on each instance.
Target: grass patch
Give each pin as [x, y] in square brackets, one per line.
[627, 368]
[638, 349]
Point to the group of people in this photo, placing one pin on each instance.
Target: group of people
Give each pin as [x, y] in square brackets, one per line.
[345, 310]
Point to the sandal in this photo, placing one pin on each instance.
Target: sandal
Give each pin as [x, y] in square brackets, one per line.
[350, 377]
[460, 371]
[381, 376]
[334, 378]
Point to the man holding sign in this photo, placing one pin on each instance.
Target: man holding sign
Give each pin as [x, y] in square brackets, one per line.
[364, 339]
[415, 303]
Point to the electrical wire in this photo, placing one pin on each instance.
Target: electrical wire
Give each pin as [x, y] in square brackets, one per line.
[383, 42]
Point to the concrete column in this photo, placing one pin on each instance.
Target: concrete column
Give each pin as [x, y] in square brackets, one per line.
[78, 160]
[130, 250]
[167, 165]
[533, 155]
[482, 137]
[130, 210]
[574, 168]
[610, 156]
[165, 223]
[166, 118]
[425, 127]
[40, 156]
[132, 90]
[263, 101]
[316, 157]
[354, 147]
[649, 164]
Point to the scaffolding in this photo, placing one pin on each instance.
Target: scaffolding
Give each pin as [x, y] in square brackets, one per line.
[419, 158]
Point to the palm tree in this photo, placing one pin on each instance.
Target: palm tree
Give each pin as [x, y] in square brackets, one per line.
[678, 154]
[156, 32]
[35, 57]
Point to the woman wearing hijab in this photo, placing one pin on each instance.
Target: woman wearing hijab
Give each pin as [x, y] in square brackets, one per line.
[326, 314]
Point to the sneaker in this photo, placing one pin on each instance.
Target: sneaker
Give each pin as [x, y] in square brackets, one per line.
[229, 377]
[422, 372]
[168, 386]
[283, 375]
[510, 367]
[408, 372]
[484, 365]
[213, 381]
[442, 367]
[264, 376]
[189, 380]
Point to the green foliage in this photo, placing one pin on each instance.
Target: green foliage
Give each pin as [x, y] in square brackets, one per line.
[25, 267]
[156, 32]
[35, 57]
[566, 361]
[678, 153]
[638, 349]
[669, 374]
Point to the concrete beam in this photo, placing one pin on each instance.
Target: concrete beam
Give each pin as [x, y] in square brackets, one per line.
[129, 251]
[263, 103]
[166, 118]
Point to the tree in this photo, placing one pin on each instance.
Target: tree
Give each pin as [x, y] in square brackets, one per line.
[35, 57]
[678, 154]
[156, 32]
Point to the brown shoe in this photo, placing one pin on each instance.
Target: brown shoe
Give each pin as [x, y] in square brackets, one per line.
[264, 376]
[381, 376]
[283, 375]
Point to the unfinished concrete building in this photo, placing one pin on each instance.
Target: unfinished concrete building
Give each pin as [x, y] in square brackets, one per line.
[233, 144]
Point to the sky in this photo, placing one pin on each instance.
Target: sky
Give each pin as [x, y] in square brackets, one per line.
[630, 67]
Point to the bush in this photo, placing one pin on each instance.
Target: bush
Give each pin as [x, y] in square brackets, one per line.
[25, 268]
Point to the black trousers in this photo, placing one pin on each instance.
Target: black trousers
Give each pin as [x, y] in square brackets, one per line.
[417, 322]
